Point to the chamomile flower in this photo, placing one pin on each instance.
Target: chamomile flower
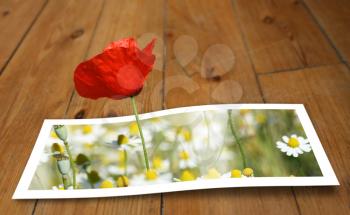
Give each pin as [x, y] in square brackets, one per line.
[124, 142]
[294, 145]
[150, 177]
[88, 133]
[236, 173]
[160, 164]
[155, 124]
[212, 173]
[187, 175]
[186, 160]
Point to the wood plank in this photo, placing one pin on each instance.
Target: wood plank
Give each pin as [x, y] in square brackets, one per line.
[16, 18]
[37, 84]
[218, 70]
[209, 23]
[325, 91]
[119, 20]
[333, 16]
[282, 35]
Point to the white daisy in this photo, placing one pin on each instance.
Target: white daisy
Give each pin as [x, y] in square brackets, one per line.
[294, 145]
[141, 179]
[187, 160]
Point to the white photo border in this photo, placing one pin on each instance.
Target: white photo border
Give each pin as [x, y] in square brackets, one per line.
[328, 179]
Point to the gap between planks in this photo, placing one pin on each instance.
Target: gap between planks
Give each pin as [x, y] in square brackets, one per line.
[23, 37]
[324, 32]
[73, 91]
[257, 81]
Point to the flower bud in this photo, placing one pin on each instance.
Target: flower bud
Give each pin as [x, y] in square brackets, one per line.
[63, 163]
[57, 148]
[106, 184]
[93, 177]
[122, 181]
[122, 139]
[248, 172]
[61, 132]
[236, 173]
[82, 160]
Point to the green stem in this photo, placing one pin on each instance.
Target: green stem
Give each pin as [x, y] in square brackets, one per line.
[237, 139]
[65, 181]
[71, 164]
[125, 162]
[140, 131]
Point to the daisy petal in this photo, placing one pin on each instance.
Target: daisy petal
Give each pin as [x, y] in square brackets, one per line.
[284, 148]
[280, 144]
[295, 154]
[285, 139]
[299, 151]
[305, 147]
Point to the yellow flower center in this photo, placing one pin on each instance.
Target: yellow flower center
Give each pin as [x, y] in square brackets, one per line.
[186, 134]
[88, 146]
[57, 148]
[155, 119]
[236, 173]
[87, 129]
[157, 162]
[151, 175]
[106, 184]
[122, 181]
[212, 173]
[53, 134]
[243, 111]
[293, 142]
[261, 118]
[248, 172]
[184, 155]
[133, 128]
[186, 175]
[122, 139]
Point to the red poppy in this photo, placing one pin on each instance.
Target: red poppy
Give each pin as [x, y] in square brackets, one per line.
[118, 72]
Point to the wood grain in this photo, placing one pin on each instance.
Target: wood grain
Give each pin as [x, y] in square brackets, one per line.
[281, 35]
[16, 18]
[37, 84]
[333, 16]
[325, 91]
[209, 53]
[188, 85]
[218, 70]
[119, 20]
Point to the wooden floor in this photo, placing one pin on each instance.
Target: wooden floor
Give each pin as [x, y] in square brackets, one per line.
[285, 51]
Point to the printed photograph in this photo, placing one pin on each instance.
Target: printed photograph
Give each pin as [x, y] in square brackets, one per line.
[181, 147]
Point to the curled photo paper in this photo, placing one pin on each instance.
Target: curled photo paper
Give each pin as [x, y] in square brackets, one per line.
[189, 148]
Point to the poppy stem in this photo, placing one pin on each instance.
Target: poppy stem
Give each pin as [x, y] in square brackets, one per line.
[140, 131]
[71, 164]
[244, 162]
